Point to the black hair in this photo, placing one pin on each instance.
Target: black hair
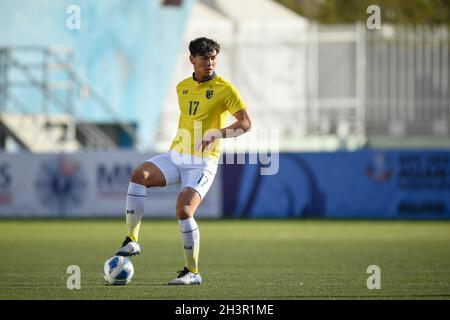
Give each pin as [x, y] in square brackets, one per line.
[202, 46]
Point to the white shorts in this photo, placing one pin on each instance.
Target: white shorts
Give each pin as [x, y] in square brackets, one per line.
[192, 171]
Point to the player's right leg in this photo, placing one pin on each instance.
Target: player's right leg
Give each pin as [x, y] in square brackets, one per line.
[155, 172]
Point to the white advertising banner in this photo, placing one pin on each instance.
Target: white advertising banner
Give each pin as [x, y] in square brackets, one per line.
[85, 184]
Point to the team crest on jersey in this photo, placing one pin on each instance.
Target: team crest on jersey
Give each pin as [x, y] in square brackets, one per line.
[209, 94]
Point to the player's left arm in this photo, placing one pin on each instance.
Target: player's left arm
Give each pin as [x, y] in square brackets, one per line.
[242, 125]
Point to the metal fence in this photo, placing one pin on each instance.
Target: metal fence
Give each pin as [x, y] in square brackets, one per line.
[392, 81]
[335, 86]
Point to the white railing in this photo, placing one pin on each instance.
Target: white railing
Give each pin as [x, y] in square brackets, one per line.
[336, 83]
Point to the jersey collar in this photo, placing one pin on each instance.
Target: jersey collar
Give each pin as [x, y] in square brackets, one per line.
[206, 79]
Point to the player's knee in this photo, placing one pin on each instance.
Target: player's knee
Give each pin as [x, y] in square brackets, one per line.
[184, 212]
[146, 176]
[143, 177]
[138, 176]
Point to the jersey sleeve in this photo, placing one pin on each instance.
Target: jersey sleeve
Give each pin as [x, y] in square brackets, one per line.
[233, 101]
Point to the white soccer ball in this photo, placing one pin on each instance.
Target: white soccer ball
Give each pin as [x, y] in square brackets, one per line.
[118, 270]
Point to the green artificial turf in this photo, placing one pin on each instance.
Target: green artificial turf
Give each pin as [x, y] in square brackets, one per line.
[239, 259]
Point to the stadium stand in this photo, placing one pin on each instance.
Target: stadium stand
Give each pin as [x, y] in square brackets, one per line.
[107, 78]
[326, 87]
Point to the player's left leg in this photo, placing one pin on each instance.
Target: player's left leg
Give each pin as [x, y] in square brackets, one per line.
[196, 183]
[187, 202]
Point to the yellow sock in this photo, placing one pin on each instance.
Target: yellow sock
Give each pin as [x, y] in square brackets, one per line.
[136, 198]
[133, 224]
[190, 236]
[133, 233]
[191, 258]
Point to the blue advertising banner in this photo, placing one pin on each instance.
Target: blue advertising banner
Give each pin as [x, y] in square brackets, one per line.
[361, 184]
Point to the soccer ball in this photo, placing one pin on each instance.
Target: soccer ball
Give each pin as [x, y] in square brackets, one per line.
[118, 270]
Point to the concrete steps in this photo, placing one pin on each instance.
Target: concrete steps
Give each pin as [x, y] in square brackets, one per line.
[42, 133]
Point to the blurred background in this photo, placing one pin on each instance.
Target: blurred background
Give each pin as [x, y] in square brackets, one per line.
[354, 95]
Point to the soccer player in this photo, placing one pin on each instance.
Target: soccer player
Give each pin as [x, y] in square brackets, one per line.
[205, 100]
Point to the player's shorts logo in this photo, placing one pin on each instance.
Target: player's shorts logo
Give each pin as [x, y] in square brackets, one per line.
[209, 94]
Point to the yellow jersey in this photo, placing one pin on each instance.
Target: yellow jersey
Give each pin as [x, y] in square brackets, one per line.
[204, 106]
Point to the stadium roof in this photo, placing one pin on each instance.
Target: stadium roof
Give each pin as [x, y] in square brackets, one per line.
[260, 18]
[254, 10]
